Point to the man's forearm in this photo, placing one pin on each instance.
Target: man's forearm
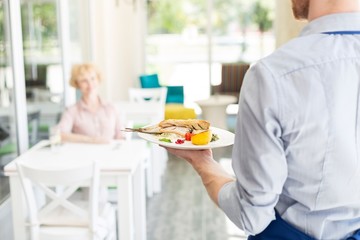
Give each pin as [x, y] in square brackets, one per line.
[211, 172]
[213, 177]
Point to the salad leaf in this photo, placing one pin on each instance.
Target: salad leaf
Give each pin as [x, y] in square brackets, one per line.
[214, 137]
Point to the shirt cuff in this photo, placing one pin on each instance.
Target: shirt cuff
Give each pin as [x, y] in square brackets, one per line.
[250, 218]
[229, 203]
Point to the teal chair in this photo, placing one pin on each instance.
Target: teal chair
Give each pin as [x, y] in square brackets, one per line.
[175, 94]
[149, 81]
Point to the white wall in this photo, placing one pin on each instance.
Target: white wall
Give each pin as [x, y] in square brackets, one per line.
[119, 49]
[286, 27]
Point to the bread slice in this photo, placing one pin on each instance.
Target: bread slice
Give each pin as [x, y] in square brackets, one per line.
[189, 124]
[181, 131]
[177, 126]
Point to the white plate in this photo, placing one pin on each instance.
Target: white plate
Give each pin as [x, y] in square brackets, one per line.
[226, 138]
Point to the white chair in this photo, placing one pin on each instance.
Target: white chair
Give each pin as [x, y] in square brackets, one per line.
[153, 100]
[62, 217]
[54, 81]
[146, 106]
[144, 95]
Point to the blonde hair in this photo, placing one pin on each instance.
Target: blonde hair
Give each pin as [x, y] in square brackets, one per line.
[79, 69]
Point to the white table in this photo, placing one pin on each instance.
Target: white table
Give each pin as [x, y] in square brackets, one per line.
[120, 165]
[214, 109]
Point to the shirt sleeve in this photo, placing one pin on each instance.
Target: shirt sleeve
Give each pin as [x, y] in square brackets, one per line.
[258, 157]
[67, 121]
[119, 124]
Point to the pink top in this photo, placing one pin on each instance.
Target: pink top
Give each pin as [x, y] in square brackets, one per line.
[105, 122]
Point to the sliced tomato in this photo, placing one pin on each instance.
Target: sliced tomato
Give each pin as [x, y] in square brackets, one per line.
[188, 136]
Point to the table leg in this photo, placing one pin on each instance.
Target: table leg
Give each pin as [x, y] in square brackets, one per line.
[125, 207]
[139, 204]
[157, 167]
[149, 176]
[18, 208]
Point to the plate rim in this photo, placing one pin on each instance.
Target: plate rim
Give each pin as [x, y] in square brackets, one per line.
[190, 147]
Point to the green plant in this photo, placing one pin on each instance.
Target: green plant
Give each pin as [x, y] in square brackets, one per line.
[261, 17]
[165, 17]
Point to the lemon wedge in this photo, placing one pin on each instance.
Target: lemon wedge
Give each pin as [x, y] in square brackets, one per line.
[201, 138]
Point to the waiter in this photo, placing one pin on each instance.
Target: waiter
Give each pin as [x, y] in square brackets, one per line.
[296, 154]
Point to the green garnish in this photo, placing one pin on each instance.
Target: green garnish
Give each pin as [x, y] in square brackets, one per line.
[214, 137]
[165, 140]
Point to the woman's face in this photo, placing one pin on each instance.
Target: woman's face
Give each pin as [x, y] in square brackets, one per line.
[88, 82]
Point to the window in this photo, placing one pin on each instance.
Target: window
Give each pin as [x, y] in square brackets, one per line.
[8, 134]
[189, 40]
[43, 65]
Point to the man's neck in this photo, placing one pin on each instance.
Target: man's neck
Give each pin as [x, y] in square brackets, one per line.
[325, 7]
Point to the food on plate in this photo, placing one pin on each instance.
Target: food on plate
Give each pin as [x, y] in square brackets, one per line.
[177, 126]
[165, 140]
[178, 131]
[201, 138]
[188, 136]
[180, 141]
[195, 124]
[214, 137]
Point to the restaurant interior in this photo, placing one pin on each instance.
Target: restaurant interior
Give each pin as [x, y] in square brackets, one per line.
[195, 52]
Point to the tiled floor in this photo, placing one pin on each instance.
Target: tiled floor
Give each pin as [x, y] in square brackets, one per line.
[183, 210]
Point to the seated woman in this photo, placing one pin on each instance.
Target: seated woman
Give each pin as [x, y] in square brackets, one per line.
[90, 120]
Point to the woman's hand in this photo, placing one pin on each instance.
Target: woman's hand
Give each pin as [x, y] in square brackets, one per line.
[99, 140]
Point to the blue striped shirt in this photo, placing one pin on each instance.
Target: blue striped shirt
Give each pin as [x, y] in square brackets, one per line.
[298, 135]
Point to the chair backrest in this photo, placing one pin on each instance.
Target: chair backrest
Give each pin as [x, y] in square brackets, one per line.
[232, 76]
[175, 94]
[150, 102]
[47, 181]
[144, 95]
[149, 81]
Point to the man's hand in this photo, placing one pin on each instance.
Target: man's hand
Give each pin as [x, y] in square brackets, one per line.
[197, 158]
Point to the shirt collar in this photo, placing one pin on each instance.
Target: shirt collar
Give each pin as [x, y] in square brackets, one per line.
[83, 105]
[333, 22]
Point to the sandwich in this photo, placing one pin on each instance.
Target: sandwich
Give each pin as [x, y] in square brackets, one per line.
[175, 126]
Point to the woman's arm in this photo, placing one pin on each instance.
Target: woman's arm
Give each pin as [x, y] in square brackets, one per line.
[72, 137]
[66, 124]
[119, 123]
